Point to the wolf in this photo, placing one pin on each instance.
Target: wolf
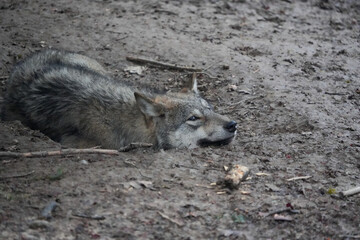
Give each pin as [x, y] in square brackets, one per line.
[72, 99]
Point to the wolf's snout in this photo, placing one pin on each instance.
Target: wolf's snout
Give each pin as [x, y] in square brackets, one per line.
[231, 126]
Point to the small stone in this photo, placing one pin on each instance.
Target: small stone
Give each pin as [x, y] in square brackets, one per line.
[306, 133]
[225, 67]
[84, 162]
[232, 88]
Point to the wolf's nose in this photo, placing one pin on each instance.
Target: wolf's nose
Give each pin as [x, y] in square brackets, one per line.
[231, 126]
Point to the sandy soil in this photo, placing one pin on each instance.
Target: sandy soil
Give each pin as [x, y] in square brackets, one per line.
[287, 71]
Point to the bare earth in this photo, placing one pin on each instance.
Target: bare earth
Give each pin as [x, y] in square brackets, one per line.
[288, 71]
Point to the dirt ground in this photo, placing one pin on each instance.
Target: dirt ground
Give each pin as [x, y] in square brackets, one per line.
[288, 71]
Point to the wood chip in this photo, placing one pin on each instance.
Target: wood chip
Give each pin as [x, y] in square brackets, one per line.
[245, 192]
[236, 175]
[298, 178]
[279, 217]
[350, 192]
[262, 174]
[177, 222]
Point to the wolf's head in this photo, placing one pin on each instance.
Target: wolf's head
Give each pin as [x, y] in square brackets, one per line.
[185, 120]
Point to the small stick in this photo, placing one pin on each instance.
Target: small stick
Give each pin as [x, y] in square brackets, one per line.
[298, 178]
[164, 11]
[334, 93]
[304, 191]
[350, 236]
[350, 192]
[280, 211]
[220, 193]
[279, 217]
[4, 77]
[135, 145]
[129, 163]
[61, 152]
[203, 186]
[162, 64]
[190, 167]
[139, 13]
[262, 174]
[88, 217]
[18, 176]
[179, 223]
[243, 91]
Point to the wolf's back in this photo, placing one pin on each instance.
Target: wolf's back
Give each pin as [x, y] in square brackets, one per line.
[51, 84]
[25, 69]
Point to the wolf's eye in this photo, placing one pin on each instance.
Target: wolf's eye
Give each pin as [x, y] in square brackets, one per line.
[192, 118]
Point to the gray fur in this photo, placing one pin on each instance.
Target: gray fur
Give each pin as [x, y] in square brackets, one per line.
[70, 98]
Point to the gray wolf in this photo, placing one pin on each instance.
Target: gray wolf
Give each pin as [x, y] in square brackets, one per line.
[71, 98]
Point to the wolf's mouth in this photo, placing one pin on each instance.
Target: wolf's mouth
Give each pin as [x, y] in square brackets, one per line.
[207, 142]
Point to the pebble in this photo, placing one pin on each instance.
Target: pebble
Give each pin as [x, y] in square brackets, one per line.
[84, 162]
[232, 87]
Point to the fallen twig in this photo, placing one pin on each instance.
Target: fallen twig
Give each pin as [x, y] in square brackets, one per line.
[243, 91]
[128, 162]
[264, 215]
[298, 178]
[47, 212]
[18, 176]
[256, 70]
[162, 64]
[279, 217]
[61, 152]
[184, 166]
[135, 145]
[88, 217]
[204, 186]
[4, 77]
[165, 11]
[177, 222]
[139, 13]
[334, 93]
[262, 174]
[350, 192]
[350, 236]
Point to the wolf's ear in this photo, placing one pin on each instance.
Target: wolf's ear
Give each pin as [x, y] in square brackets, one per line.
[148, 106]
[191, 85]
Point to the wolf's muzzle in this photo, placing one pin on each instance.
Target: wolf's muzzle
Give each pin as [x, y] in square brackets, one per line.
[231, 126]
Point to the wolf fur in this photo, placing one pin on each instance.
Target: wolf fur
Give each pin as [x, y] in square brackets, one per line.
[70, 98]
